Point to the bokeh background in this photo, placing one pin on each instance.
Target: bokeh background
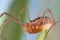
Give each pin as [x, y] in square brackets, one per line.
[13, 31]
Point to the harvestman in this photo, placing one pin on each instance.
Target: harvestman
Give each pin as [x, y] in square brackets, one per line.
[36, 25]
[33, 26]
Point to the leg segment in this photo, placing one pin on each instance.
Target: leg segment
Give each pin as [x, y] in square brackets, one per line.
[48, 3]
[4, 23]
[48, 10]
[14, 19]
[50, 29]
[42, 7]
[2, 26]
[21, 12]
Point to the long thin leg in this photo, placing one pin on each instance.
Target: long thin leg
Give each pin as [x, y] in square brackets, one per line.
[21, 12]
[48, 3]
[54, 23]
[14, 19]
[51, 28]
[2, 26]
[50, 12]
[4, 23]
[28, 15]
[42, 7]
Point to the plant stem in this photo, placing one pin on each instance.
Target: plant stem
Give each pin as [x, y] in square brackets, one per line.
[42, 35]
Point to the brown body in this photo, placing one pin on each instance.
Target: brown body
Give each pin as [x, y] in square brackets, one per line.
[37, 25]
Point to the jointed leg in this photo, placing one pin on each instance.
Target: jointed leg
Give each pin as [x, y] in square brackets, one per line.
[28, 15]
[50, 12]
[48, 3]
[21, 12]
[2, 26]
[14, 19]
[4, 23]
[51, 28]
[42, 7]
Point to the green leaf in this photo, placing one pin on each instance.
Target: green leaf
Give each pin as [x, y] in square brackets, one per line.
[42, 34]
[12, 30]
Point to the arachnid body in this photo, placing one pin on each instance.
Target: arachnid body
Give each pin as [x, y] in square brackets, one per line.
[37, 25]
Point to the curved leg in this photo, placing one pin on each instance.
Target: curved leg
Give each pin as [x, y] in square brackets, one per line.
[14, 19]
[50, 29]
[42, 7]
[21, 13]
[48, 3]
[2, 26]
[7, 20]
[54, 23]
[4, 23]
[22, 10]
[50, 12]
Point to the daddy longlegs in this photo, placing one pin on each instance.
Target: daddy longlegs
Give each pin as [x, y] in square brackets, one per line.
[33, 26]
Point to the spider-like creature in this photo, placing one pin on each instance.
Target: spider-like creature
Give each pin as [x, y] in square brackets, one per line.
[36, 25]
[33, 26]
